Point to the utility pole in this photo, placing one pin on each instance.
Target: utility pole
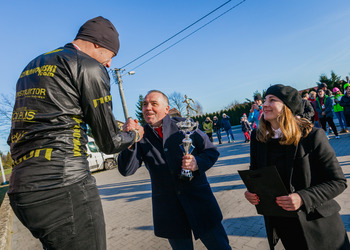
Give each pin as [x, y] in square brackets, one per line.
[118, 80]
[2, 172]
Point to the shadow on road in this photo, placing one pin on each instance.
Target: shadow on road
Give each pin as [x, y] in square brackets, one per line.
[344, 163]
[225, 178]
[252, 226]
[346, 220]
[130, 190]
[137, 190]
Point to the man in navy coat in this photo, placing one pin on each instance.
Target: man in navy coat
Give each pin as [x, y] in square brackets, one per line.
[179, 207]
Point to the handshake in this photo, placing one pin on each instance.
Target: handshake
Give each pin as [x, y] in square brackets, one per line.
[133, 125]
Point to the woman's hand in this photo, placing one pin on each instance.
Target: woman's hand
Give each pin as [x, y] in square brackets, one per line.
[291, 202]
[252, 198]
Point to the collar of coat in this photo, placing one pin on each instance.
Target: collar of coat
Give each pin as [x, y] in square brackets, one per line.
[169, 126]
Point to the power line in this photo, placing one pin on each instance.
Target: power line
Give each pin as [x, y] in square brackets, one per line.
[177, 33]
[188, 35]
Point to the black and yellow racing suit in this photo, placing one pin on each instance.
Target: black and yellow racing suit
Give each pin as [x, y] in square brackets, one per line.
[57, 94]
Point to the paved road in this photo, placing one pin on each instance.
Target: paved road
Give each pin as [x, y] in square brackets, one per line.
[127, 203]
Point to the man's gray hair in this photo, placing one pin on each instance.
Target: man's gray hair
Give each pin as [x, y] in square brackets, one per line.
[160, 92]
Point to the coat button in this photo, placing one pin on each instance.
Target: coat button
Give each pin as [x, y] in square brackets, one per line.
[165, 149]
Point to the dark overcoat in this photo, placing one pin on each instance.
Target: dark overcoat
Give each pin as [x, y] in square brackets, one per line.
[316, 176]
[345, 102]
[178, 206]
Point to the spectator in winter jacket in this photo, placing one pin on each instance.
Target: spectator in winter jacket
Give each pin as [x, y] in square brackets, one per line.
[324, 108]
[339, 110]
[308, 110]
[255, 111]
[225, 123]
[312, 99]
[345, 86]
[208, 128]
[217, 128]
[345, 103]
[323, 86]
[246, 128]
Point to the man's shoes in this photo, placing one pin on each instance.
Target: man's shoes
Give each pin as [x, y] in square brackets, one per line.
[220, 142]
[342, 131]
[337, 137]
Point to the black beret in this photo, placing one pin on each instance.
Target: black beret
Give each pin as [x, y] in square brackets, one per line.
[101, 31]
[288, 95]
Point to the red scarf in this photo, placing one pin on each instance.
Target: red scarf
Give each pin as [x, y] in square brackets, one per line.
[159, 131]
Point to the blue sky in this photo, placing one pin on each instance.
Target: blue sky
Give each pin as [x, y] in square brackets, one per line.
[257, 44]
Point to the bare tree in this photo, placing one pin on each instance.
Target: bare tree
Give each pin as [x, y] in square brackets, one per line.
[198, 107]
[176, 100]
[232, 105]
[6, 107]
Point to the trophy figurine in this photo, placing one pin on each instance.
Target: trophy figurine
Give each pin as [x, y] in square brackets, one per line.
[187, 127]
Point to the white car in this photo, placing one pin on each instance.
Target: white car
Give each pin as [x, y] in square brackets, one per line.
[97, 159]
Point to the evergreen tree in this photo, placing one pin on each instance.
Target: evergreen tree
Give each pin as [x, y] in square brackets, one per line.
[333, 81]
[6, 160]
[138, 112]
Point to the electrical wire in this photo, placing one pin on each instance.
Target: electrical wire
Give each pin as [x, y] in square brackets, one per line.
[188, 35]
[177, 34]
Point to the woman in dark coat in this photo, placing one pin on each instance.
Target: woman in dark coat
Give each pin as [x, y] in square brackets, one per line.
[309, 170]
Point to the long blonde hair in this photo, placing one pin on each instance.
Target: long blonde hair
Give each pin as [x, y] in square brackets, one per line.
[293, 128]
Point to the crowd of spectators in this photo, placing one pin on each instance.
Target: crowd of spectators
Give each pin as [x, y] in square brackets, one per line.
[320, 107]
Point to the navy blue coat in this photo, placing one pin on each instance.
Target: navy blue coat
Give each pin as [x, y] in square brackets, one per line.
[225, 123]
[178, 206]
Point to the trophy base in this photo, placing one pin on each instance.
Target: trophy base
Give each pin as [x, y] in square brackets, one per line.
[186, 175]
[185, 178]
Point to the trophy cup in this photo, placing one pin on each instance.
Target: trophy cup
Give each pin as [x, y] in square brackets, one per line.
[187, 127]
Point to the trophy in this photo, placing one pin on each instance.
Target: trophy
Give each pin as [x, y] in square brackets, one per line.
[187, 127]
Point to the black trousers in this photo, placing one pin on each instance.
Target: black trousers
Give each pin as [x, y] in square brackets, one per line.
[64, 218]
[330, 123]
[210, 135]
[290, 232]
[347, 119]
[214, 239]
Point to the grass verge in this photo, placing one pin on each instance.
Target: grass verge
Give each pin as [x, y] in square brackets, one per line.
[7, 171]
[3, 190]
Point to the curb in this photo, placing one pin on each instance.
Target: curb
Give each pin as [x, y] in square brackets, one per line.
[6, 217]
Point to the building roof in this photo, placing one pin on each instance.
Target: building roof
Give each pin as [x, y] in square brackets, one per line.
[174, 113]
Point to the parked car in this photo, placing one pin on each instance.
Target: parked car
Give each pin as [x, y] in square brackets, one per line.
[97, 159]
